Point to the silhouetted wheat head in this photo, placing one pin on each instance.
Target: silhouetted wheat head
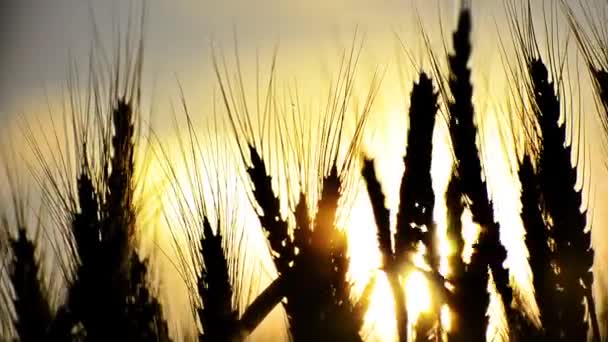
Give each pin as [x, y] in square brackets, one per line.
[335, 162]
[252, 133]
[538, 242]
[488, 252]
[31, 306]
[96, 211]
[111, 283]
[29, 299]
[217, 316]
[415, 223]
[312, 262]
[557, 182]
[250, 130]
[27, 296]
[415, 217]
[213, 257]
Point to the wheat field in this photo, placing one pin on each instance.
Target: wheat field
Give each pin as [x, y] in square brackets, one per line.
[322, 172]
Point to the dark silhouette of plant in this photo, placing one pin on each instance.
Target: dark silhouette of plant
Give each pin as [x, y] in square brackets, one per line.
[415, 223]
[488, 252]
[33, 313]
[469, 298]
[312, 263]
[217, 317]
[541, 257]
[557, 182]
[110, 287]
[212, 256]
[97, 214]
[27, 299]
[574, 253]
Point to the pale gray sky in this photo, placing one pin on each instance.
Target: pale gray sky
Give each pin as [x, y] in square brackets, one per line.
[37, 36]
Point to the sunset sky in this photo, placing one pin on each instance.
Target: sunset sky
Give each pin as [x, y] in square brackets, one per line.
[39, 38]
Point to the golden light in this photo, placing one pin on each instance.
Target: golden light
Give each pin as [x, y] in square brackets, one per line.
[418, 295]
[470, 232]
[380, 318]
[446, 318]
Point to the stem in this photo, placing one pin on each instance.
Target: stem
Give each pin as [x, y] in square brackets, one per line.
[264, 303]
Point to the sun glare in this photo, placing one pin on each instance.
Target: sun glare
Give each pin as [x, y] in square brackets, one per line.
[470, 231]
[380, 318]
[446, 318]
[418, 295]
